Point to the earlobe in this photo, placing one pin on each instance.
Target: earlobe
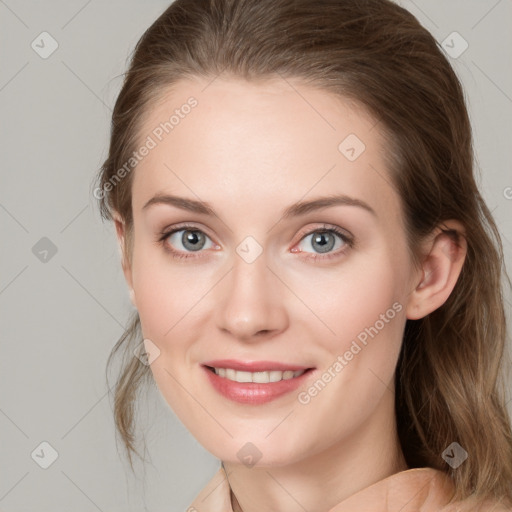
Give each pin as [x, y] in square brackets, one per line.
[440, 268]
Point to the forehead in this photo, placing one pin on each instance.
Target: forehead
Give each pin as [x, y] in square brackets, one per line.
[232, 141]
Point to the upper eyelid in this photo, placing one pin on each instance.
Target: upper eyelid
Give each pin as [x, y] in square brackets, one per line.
[327, 227]
[166, 232]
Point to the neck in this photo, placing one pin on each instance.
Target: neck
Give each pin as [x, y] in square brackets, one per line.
[321, 481]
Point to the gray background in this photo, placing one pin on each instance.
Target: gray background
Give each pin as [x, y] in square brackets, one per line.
[60, 318]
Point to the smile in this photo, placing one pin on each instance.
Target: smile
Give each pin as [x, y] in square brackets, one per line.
[258, 377]
[254, 383]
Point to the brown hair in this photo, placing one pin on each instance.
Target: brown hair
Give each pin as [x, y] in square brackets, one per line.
[449, 382]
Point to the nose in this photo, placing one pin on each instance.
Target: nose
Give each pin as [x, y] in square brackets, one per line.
[249, 302]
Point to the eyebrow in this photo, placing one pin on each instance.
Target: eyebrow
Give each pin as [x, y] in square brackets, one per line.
[295, 210]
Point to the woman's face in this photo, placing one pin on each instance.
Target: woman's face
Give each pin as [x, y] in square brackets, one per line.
[262, 281]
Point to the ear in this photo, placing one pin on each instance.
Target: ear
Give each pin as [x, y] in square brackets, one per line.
[121, 239]
[445, 253]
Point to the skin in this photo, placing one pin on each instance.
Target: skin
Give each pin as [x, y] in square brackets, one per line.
[250, 150]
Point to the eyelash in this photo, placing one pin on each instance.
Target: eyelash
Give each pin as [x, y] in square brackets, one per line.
[162, 237]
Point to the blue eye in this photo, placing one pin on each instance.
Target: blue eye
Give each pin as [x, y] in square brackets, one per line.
[193, 240]
[323, 240]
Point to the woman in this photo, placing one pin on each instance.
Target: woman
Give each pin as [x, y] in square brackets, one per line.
[316, 276]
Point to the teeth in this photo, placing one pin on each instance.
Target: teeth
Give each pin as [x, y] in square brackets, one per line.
[259, 377]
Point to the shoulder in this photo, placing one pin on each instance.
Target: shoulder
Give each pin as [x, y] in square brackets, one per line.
[471, 505]
[426, 489]
[441, 486]
[439, 490]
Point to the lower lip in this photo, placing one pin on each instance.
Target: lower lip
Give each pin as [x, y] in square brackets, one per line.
[252, 392]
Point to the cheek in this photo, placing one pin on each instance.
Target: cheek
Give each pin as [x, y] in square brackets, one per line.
[366, 313]
[168, 294]
[363, 306]
[352, 299]
[168, 301]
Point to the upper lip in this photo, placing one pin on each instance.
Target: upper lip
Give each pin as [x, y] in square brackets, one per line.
[253, 366]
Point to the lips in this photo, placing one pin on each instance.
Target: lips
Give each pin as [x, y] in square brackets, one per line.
[258, 377]
[253, 366]
[254, 382]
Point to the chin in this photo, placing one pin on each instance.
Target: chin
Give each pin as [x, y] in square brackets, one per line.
[256, 452]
